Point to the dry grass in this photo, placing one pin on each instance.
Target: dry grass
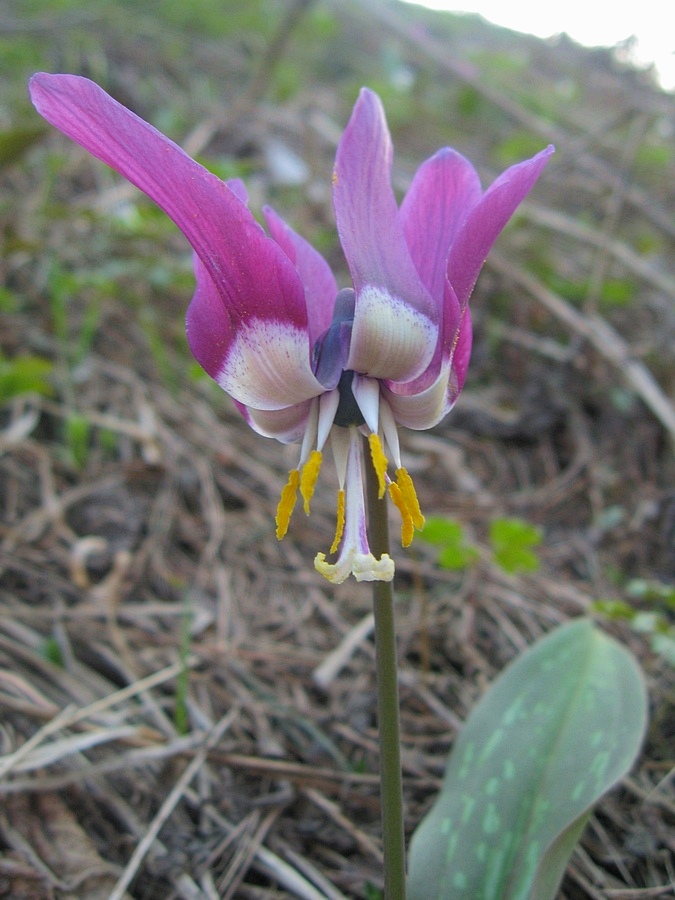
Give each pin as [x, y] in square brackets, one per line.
[187, 709]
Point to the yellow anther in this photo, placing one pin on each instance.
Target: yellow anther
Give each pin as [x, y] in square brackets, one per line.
[287, 503]
[340, 521]
[407, 526]
[310, 472]
[407, 487]
[379, 462]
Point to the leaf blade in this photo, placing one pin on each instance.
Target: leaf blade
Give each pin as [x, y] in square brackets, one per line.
[570, 715]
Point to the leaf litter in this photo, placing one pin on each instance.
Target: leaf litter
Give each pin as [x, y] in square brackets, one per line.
[187, 709]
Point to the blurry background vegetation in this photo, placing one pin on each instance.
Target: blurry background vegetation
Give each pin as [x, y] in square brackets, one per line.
[136, 508]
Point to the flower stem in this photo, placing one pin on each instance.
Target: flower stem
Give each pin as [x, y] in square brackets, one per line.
[391, 789]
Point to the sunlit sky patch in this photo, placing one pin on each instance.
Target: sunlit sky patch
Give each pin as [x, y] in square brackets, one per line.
[585, 22]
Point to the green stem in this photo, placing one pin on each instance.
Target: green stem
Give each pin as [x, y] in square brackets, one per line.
[391, 787]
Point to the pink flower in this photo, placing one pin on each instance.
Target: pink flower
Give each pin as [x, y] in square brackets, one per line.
[304, 361]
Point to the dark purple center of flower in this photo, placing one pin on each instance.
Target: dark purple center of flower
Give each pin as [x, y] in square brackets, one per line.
[348, 412]
[330, 355]
[332, 348]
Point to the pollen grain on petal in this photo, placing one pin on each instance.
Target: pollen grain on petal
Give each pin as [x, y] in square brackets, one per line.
[407, 488]
[340, 526]
[379, 462]
[310, 473]
[287, 503]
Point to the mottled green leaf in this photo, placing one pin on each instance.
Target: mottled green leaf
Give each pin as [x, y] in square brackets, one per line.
[560, 726]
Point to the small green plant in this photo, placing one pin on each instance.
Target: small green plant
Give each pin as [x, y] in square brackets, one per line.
[512, 542]
[25, 375]
[64, 285]
[653, 618]
[50, 650]
[9, 301]
[16, 141]
[77, 436]
[156, 343]
[455, 551]
[513, 147]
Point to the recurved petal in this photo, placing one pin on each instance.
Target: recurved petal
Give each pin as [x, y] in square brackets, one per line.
[487, 219]
[461, 356]
[372, 238]
[250, 271]
[442, 193]
[423, 410]
[263, 363]
[444, 349]
[429, 404]
[210, 331]
[267, 366]
[390, 338]
[315, 273]
[286, 425]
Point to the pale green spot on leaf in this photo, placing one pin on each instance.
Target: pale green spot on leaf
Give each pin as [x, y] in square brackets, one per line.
[493, 741]
[491, 820]
[468, 803]
[467, 759]
[514, 713]
[532, 854]
[459, 880]
[596, 739]
[579, 790]
[491, 786]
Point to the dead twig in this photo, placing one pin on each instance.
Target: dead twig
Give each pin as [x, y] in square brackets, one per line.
[600, 335]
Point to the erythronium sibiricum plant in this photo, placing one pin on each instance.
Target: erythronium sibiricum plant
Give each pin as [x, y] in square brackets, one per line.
[304, 361]
[309, 363]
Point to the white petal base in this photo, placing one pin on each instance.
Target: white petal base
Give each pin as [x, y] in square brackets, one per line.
[267, 366]
[390, 338]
